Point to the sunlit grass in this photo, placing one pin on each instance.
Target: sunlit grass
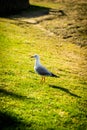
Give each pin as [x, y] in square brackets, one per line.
[60, 103]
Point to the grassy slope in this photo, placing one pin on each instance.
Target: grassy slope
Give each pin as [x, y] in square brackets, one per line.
[26, 103]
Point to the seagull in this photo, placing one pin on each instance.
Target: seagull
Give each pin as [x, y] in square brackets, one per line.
[40, 69]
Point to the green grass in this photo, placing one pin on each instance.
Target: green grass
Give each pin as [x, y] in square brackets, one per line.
[25, 103]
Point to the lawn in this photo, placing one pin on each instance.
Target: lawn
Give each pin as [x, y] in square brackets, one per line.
[27, 104]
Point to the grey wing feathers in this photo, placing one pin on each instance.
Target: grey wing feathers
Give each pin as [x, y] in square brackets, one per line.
[43, 71]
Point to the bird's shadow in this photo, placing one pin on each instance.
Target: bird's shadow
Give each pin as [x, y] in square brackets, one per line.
[65, 90]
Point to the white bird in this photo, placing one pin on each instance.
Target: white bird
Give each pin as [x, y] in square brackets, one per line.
[40, 69]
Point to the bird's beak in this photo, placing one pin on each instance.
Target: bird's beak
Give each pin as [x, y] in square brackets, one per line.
[32, 56]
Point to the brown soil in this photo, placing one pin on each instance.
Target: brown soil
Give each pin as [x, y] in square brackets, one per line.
[70, 20]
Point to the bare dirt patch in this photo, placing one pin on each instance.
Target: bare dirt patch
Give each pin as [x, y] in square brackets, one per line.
[68, 22]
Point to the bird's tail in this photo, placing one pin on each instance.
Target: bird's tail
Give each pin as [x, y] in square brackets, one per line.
[53, 75]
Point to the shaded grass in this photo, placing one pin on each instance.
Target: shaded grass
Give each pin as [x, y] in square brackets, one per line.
[9, 122]
[24, 102]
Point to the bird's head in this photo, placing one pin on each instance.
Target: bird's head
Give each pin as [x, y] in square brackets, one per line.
[35, 56]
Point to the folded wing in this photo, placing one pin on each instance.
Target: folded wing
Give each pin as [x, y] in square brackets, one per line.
[41, 70]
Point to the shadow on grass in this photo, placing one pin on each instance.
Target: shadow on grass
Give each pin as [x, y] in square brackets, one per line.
[7, 121]
[31, 12]
[65, 90]
[14, 95]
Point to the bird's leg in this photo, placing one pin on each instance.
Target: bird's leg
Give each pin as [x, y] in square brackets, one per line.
[43, 79]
